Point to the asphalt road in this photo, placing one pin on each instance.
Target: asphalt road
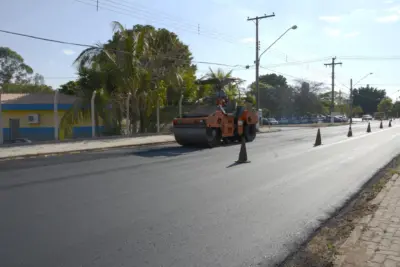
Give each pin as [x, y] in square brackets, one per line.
[170, 206]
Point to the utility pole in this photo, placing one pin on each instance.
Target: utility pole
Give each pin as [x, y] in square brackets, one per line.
[333, 64]
[1, 119]
[257, 62]
[351, 101]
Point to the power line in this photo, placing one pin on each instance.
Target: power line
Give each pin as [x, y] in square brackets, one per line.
[137, 12]
[114, 50]
[294, 63]
[142, 12]
[370, 57]
[160, 13]
[134, 12]
[293, 77]
[45, 39]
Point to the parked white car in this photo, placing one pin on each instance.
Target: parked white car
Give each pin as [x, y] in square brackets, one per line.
[366, 118]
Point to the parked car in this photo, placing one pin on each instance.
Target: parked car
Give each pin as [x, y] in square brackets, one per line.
[283, 121]
[270, 121]
[366, 118]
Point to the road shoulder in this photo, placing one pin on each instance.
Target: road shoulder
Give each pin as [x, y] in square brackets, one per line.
[364, 232]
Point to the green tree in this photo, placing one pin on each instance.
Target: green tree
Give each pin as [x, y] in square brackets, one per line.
[306, 100]
[17, 77]
[12, 67]
[69, 88]
[144, 62]
[368, 98]
[396, 109]
[275, 94]
[26, 88]
[385, 105]
[231, 90]
[357, 111]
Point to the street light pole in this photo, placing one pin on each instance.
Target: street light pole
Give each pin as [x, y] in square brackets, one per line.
[258, 58]
[363, 78]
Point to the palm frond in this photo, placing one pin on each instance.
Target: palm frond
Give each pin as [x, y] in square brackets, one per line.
[77, 113]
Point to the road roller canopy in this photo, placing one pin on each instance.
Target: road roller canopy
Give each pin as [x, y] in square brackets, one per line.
[219, 82]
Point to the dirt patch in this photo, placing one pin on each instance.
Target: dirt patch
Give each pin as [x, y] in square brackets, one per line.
[320, 249]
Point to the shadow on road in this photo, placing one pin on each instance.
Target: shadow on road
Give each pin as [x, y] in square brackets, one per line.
[165, 152]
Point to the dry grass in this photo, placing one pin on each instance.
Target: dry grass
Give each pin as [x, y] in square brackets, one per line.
[321, 248]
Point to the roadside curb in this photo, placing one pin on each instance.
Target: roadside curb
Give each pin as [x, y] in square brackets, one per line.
[76, 151]
[97, 149]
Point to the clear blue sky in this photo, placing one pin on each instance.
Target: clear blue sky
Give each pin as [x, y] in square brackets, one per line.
[218, 31]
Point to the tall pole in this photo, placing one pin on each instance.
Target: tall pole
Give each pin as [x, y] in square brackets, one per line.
[351, 101]
[333, 64]
[93, 119]
[158, 114]
[257, 62]
[257, 68]
[56, 123]
[128, 111]
[1, 120]
[180, 105]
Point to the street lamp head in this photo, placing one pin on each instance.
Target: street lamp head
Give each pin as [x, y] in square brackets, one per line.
[294, 27]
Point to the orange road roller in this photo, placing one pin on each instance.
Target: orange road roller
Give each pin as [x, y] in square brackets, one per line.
[211, 129]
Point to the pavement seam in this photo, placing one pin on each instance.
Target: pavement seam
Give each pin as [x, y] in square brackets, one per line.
[77, 151]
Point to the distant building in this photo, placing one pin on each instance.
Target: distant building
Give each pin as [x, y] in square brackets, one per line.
[31, 116]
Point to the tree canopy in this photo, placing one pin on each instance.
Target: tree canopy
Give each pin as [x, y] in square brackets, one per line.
[18, 77]
[281, 99]
[368, 98]
[151, 65]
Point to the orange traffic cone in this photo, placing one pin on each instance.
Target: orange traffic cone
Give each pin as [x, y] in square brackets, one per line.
[318, 140]
[243, 153]
[350, 132]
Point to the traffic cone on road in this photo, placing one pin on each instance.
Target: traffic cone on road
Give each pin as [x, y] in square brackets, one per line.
[350, 132]
[381, 126]
[369, 128]
[318, 140]
[390, 123]
[242, 153]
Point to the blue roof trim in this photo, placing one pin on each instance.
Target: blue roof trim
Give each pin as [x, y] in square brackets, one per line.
[27, 107]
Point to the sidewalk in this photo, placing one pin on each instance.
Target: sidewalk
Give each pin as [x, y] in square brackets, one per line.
[375, 241]
[8, 152]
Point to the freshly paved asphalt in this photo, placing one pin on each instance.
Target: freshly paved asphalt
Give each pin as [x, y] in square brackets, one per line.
[171, 206]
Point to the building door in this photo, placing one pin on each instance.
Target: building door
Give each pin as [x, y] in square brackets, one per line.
[14, 129]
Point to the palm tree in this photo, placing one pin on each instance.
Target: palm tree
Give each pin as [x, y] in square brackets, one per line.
[231, 90]
[142, 62]
[89, 81]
